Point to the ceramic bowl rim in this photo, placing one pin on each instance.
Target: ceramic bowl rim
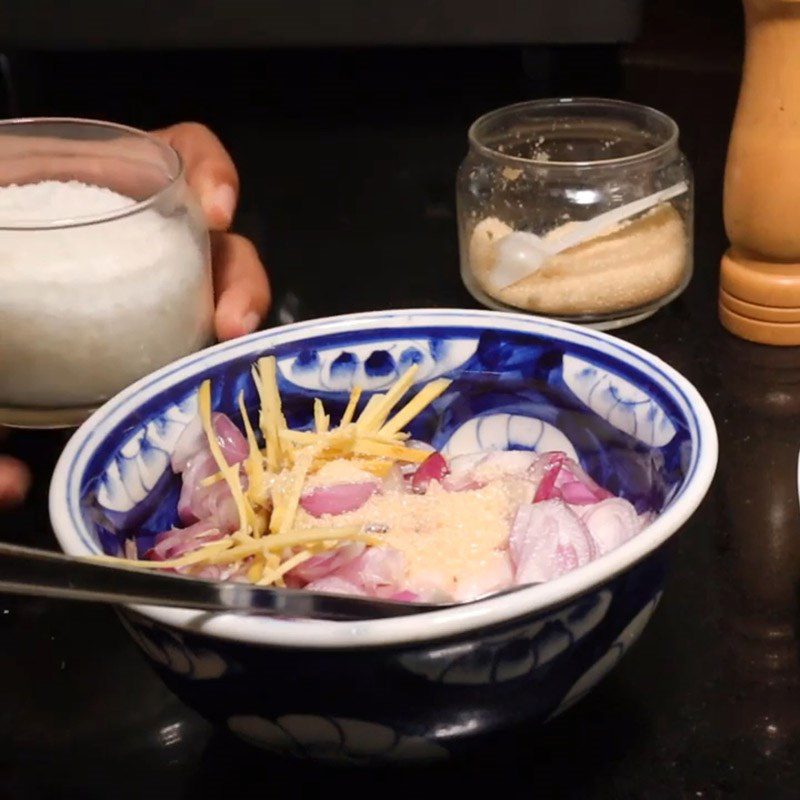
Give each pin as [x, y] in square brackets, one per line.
[73, 535]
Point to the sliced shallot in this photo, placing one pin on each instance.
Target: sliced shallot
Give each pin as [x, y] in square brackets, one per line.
[324, 564]
[378, 571]
[192, 441]
[178, 541]
[611, 523]
[333, 584]
[433, 468]
[561, 478]
[337, 498]
[548, 540]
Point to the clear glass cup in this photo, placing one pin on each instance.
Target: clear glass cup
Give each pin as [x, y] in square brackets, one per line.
[548, 167]
[95, 292]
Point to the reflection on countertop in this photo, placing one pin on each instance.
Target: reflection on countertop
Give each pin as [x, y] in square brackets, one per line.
[760, 568]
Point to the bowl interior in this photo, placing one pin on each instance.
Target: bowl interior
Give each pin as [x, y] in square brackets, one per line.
[517, 384]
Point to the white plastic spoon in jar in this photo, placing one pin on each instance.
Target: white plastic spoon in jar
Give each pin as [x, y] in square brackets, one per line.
[521, 253]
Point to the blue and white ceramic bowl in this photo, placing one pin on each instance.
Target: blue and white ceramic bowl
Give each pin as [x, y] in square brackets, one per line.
[416, 687]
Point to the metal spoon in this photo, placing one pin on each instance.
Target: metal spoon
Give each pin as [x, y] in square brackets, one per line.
[41, 573]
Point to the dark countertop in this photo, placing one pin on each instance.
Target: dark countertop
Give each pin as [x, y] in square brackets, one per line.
[349, 193]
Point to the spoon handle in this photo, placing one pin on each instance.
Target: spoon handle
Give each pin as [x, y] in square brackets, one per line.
[592, 227]
[42, 573]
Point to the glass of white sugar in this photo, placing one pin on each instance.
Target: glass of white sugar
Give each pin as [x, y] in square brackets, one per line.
[104, 266]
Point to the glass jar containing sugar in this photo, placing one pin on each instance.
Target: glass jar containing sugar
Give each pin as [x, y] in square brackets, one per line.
[579, 209]
[104, 266]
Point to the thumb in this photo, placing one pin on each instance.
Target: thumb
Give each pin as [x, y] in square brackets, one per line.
[15, 480]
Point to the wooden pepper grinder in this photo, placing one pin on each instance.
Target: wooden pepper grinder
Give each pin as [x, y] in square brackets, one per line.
[760, 275]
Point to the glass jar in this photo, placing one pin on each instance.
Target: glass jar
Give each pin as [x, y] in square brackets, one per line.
[545, 171]
[104, 269]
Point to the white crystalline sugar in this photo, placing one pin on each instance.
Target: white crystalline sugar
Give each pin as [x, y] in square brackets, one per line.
[102, 251]
[86, 310]
[48, 201]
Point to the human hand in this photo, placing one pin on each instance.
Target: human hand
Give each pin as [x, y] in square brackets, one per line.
[241, 287]
[14, 480]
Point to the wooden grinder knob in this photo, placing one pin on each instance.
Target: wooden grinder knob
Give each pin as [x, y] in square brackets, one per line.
[760, 273]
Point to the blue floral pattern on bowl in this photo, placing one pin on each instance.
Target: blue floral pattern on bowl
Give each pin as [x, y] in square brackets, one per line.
[337, 369]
